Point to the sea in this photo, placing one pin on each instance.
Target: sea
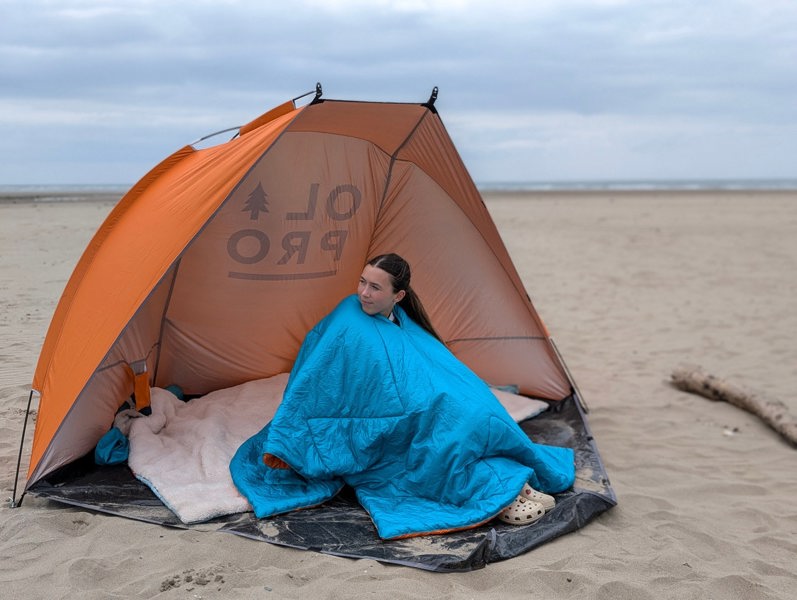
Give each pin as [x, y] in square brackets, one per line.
[53, 191]
[640, 185]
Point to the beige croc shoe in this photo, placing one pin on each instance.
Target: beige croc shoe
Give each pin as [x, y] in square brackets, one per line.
[530, 493]
[522, 512]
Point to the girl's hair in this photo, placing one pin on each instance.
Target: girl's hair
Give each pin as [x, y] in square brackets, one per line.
[399, 271]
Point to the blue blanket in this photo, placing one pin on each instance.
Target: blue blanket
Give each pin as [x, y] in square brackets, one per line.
[391, 412]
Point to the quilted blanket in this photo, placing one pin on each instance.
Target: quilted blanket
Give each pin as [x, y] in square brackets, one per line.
[388, 410]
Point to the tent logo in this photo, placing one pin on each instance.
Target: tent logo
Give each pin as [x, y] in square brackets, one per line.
[300, 233]
[256, 203]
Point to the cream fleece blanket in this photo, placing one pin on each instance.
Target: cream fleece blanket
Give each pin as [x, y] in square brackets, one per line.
[182, 451]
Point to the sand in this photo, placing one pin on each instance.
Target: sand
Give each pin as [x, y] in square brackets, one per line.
[631, 285]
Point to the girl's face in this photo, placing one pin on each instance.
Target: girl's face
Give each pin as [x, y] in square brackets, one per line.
[376, 292]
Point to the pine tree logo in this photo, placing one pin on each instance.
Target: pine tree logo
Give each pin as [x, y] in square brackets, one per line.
[256, 203]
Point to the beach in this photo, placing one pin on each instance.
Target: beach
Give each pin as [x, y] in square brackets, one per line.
[631, 285]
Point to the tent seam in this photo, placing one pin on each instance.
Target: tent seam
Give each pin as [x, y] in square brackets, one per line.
[393, 159]
[159, 343]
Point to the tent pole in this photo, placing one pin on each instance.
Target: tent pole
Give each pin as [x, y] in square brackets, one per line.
[14, 502]
[573, 385]
[210, 135]
[318, 92]
[432, 98]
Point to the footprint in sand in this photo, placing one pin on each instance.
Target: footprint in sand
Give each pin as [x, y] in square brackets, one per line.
[192, 578]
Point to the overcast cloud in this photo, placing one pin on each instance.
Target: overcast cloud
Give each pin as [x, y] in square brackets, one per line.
[96, 91]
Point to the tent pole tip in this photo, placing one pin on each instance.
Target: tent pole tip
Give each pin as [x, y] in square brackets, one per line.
[432, 98]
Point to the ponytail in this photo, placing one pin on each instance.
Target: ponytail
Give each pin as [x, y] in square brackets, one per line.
[412, 305]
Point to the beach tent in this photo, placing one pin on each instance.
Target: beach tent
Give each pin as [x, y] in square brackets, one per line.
[211, 270]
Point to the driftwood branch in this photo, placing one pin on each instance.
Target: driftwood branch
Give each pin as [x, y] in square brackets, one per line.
[773, 412]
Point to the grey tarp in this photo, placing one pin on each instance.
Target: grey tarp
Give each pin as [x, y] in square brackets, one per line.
[341, 527]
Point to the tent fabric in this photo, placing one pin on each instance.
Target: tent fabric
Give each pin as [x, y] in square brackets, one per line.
[212, 269]
[388, 410]
[138, 242]
[215, 265]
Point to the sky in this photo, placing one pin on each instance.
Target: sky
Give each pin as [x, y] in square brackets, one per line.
[99, 91]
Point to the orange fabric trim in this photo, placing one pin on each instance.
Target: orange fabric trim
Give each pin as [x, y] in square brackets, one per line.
[274, 462]
[275, 112]
[141, 390]
[442, 531]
